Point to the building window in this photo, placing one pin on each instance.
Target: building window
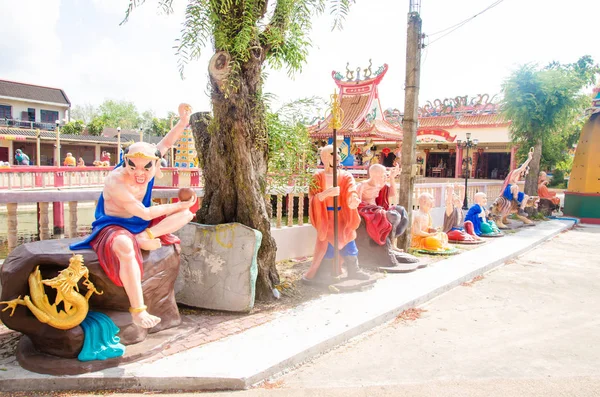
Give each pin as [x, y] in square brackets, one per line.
[30, 114]
[5, 112]
[48, 116]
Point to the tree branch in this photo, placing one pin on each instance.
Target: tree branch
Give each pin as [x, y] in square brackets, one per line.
[280, 21]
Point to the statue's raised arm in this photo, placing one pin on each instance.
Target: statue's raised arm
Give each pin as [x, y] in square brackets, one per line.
[185, 111]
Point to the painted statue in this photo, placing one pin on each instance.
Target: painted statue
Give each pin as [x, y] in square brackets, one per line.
[383, 217]
[543, 191]
[368, 152]
[127, 222]
[75, 305]
[478, 216]
[424, 236]
[21, 158]
[321, 196]
[510, 189]
[80, 162]
[69, 160]
[502, 208]
[457, 229]
[105, 158]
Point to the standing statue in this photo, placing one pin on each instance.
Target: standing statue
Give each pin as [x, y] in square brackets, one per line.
[424, 236]
[510, 189]
[127, 222]
[383, 218]
[453, 220]
[477, 215]
[321, 214]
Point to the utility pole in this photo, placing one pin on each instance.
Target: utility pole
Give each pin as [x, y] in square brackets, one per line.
[410, 120]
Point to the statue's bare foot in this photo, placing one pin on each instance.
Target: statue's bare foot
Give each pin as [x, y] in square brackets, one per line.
[145, 319]
[397, 249]
[148, 244]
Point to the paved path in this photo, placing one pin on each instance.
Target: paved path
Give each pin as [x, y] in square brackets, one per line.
[529, 328]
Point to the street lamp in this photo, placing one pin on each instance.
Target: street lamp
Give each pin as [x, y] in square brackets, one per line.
[466, 162]
[57, 162]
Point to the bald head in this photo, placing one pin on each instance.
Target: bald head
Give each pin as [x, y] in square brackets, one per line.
[426, 200]
[480, 198]
[376, 169]
[327, 157]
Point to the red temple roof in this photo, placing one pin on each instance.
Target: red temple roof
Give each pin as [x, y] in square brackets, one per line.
[361, 110]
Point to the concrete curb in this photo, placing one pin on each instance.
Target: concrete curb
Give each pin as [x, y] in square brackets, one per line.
[241, 360]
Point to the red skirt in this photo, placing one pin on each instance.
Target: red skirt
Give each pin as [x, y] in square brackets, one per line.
[109, 261]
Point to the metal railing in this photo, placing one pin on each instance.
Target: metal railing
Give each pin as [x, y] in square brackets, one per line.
[16, 123]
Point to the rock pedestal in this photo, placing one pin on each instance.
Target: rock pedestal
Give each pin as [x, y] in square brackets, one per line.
[218, 266]
[373, 255]
[160, 271]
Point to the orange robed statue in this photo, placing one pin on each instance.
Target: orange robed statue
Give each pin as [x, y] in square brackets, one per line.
[321, 197]
[543, 191]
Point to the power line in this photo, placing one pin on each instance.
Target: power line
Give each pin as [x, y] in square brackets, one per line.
[461, 24]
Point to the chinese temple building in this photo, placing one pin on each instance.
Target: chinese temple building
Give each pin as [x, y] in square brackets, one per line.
[443, 124]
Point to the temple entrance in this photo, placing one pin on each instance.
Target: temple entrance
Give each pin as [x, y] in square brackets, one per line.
[440, 165]
[493, 165]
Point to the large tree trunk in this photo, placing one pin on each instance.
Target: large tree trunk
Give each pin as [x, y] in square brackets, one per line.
[233, 153]
[534, 170]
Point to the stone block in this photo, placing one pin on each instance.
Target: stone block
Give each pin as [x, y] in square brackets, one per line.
[218, 266]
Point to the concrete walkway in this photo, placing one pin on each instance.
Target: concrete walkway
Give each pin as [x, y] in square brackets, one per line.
[242, 360]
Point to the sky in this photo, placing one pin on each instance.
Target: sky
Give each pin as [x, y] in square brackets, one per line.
[78, 45]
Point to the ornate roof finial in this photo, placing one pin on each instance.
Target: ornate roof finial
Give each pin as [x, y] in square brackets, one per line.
[349, 73]
[368, 71]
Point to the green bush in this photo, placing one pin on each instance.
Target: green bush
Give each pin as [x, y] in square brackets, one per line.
[558, 178]
[73, 128]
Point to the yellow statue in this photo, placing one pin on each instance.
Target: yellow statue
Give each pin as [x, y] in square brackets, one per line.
[75, 305]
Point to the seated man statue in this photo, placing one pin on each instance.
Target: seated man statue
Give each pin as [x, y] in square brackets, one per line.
[477, 215]
[510, 189]
[321, 208]
[543, 191]
[127, 222]
[69, 160]
[424, 236]
[453, 220]
[383, 218]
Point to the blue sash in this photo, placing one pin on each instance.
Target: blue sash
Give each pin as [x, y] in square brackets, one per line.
[134, 224]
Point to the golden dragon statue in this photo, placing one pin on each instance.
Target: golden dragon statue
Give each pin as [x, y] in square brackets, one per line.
[75, 305]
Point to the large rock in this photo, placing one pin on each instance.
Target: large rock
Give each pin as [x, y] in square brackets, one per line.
[218, 266]
[160, 271]
[373, 255]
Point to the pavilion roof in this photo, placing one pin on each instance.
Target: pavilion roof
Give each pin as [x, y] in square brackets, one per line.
[361, 111]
